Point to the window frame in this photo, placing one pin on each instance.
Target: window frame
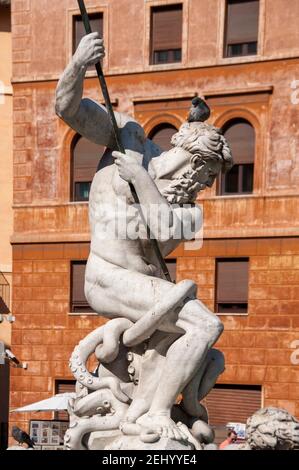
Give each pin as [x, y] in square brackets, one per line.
[77, 137]
[222, 59]
[71, 13]
[160, 127]
[170, 52]
[225, 42]
[147, 65]
[220, 184]
[88, 310]
[91, 16]
[216, 303]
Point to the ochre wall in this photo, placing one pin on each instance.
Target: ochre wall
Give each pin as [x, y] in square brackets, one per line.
[44, 334]
[6, 156]
[257, 347]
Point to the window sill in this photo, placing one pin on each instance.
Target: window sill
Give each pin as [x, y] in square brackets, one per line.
[84, 314]
[232, 314]
[240, 59]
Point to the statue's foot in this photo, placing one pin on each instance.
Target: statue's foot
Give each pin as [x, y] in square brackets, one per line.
[162, 425]
[138, 407]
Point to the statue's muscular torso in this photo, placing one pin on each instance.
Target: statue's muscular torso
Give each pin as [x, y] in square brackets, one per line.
[111, 201]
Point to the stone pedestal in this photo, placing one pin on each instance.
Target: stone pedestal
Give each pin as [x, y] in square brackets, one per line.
[134, 443]
[101, 440]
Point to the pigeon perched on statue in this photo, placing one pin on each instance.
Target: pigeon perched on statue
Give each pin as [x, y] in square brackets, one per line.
[199, 111]
[22, 437]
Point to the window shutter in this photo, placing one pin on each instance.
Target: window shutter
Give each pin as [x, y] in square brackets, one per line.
[241, 138]
[86, 156]
[242, 21]
[96, 22]
[167, 28]
[64, 386]
[162, 137]
[232, 403]
[78, 301]
[232, 281]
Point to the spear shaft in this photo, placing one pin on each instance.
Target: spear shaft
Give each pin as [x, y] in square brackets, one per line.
[120, 147]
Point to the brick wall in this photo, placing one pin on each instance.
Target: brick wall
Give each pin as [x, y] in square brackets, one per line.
[44, 335]
[257, 347]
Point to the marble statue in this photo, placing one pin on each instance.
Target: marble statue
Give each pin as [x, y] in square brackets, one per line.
[158, 344]
[270, 429]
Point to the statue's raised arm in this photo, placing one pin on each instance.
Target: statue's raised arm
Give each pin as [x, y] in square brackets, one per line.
[85, 116]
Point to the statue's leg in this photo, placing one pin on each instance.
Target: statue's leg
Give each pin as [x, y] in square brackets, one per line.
[116, 292]
[202, 383]
[152, 365]
[184, 357]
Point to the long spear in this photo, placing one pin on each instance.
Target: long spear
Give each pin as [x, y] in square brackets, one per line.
[119, 144]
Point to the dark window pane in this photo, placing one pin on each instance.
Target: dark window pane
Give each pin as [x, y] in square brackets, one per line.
[162, 134]
[231, 181]
[234, 50]
[167, 57]
[252, 48]
[232, 308]
[160, 57]
[240, 136]
[177, 55]
[82, 191]
[247, 178]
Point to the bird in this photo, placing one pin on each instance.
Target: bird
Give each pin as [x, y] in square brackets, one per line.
[199, 111]
[22, 437]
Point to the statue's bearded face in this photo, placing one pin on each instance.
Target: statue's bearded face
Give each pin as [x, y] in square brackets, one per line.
[208, 154]
[186, 187]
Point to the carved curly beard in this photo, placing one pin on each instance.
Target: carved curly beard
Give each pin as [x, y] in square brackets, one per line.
[183, 190]
[204, 142]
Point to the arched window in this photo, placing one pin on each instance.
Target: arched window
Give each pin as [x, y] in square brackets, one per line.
[162, 134]
[85, 159]
[240, 135]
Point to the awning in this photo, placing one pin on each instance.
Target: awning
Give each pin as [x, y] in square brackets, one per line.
[56, 403]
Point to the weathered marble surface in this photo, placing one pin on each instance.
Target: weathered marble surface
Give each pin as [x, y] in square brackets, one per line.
[159, 341]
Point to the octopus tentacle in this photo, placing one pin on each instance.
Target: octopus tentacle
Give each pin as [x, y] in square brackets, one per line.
[88, 345]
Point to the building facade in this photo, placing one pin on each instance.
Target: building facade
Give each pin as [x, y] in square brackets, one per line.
[243, 57]
[6, 214]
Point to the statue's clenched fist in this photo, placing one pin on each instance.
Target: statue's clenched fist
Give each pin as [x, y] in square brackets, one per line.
[128, 166]
[90, 50]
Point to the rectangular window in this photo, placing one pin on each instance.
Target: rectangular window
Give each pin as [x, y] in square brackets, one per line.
[242, 23]
[79, 303]
[232, 285]
[166, 34]
[64, 386]
[239, 180]
[232, 403]
[96, 23]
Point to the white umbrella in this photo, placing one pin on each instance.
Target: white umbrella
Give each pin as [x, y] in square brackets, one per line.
[56, 403]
